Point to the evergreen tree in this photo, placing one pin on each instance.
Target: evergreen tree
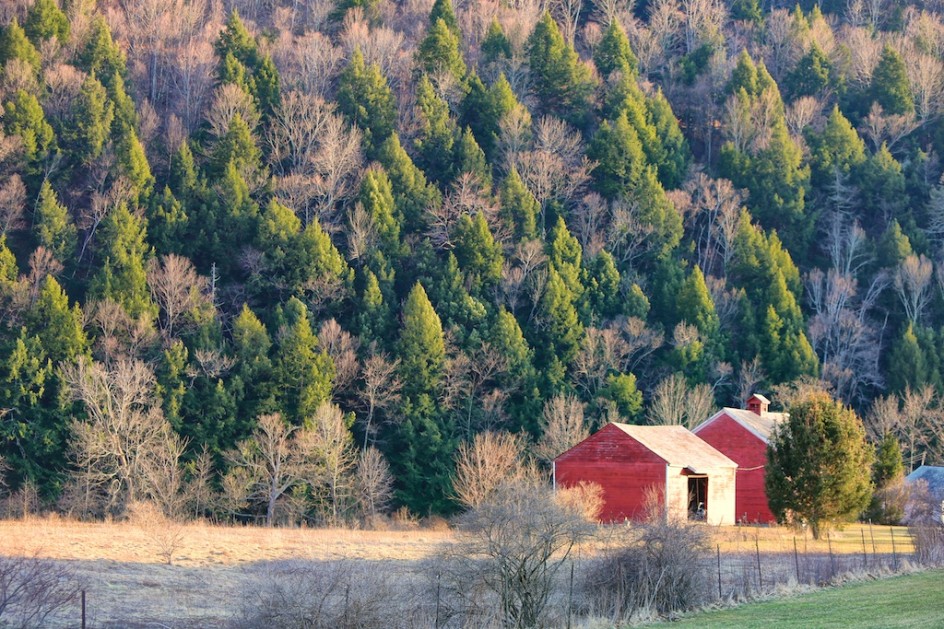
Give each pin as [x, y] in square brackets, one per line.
[620, 162]
[478, 254]
[439, 52]
[101, 55]
[613, 53]
[168, 223]
[44, 21]
[811, 75]
[836, 153]
[674, 154]
[57, 326]
[882, 188]
[412, 193]
[603, 291]
[254, 386]
[888, 475]
[495, 46]
[562, 331]
[519, 208]
[421, 348]
[907, 363]
[91, 120]
[561, 83]
[14, 44]
[24, 117]
[818, 464]
[365, 98]
[890, 87]
[471, 159]
[123, 253]
[53, 224]
[436, 134]
[442, 10]
[376, 195]
[305, 374]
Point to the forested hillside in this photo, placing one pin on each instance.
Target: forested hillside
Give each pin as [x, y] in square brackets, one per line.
[262, 256]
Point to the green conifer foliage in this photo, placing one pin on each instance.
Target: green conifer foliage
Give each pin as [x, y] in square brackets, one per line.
[613, 53]
[124, 253]
[412, 193]
[436, 135]
[304, 372]
[14, 44]
[100, 54]
[836, 152]
[421, 346]
[439, 52]
[53, 224]
[561, 83]
[366, 100]
[890, 86]
[23, 116]
[811, 74]
[619, 158]
[44, 21]
[91, 121]
[519, 208]
[495, 46]
[478, 254]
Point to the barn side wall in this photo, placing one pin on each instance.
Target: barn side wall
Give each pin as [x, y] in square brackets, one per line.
[624, 468]
[750, 453]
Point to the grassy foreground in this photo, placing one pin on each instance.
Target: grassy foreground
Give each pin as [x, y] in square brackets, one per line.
[915, 600]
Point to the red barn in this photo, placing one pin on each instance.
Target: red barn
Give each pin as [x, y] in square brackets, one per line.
[742, 435]
[629, 462]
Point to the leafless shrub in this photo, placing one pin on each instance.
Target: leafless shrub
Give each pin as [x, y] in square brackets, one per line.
[662, 569]
[510, 549]
[34, 590]
[585, 498]
[334, 595]
[926, 524]
[166, 534]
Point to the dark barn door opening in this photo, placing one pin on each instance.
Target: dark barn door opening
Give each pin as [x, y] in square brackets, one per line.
[697, 497]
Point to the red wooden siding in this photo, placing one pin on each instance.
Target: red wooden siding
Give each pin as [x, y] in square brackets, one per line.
[618, 463]
[750, 453]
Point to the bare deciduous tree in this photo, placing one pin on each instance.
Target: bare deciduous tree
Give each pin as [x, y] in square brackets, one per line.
[563, 427]
[342, 348]
[34, 590]
[267, 463]
[913, 285]
[329, 460]
[674, 403]
[374, 482]
[177, 289]
[380, 391]
[125, 449]
[483, 465]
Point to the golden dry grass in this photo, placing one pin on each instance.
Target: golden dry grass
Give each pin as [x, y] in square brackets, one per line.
[128, 585]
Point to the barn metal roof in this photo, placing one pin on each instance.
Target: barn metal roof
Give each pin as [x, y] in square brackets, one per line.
[678, 447]
[761, 425]
[933, 475]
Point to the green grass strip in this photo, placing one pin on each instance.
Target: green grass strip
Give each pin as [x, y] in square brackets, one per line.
[915, 600]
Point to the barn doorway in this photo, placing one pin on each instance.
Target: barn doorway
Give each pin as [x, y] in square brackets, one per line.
[697, 497]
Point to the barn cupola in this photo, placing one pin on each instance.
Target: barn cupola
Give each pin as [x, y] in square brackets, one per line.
[758, 404]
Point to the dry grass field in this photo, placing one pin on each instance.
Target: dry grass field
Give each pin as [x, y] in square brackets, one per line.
[129, 584]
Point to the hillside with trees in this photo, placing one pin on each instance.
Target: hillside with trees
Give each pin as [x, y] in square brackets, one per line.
[285, 259]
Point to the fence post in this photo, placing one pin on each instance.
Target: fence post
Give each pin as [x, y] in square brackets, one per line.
[719, 571]
[894, 550]
[832, 560]
[865, 553]
[872, 535]
[760, 576]
[83, 609]
[796, 558]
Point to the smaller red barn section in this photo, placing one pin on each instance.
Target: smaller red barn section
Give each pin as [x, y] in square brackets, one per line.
[742, 435]
[691, 478]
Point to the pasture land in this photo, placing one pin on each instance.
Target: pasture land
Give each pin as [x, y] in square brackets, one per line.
[905, 601]
[129, 584]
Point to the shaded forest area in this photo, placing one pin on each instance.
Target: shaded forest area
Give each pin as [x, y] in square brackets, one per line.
[282, 258]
